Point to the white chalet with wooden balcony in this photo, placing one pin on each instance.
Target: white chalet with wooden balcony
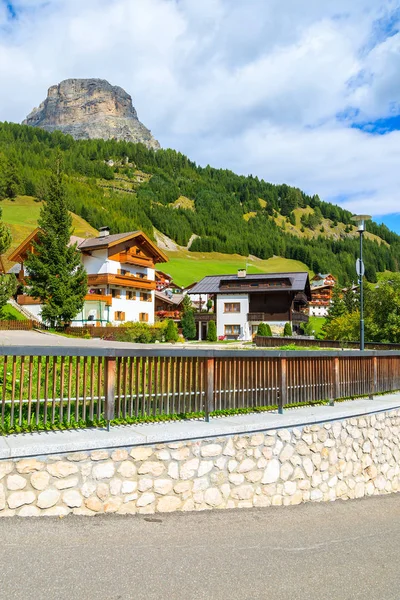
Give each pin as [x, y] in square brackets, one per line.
[121, 277]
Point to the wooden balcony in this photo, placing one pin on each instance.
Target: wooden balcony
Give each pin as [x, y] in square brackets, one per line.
[204, 317]
[129, 259]
[129, 281]
[99, 298]
[25, 300]
[169, 314]
[299, 317]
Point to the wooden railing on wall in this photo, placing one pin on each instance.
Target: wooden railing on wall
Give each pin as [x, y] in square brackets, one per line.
[75, 386]
[275, 342]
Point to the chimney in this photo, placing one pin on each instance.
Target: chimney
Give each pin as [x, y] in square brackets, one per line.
[241, 273]
[104, 232]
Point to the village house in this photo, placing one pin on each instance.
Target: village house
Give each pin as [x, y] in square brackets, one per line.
[121, 277]
[241, 302]
[321, 294]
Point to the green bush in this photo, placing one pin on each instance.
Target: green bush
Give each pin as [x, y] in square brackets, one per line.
[287, 331]
[171, 332]
[212, 332]
[264, 329]
[142, 333]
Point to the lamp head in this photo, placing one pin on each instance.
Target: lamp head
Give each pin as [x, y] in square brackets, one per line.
[360, 220]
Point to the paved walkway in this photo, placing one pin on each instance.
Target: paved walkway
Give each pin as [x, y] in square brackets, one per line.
[44, 338]
[328, 551]
[53, 442]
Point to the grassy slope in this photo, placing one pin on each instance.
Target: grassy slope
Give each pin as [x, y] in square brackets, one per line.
[11, 313]
[186, 267]
[21, 216]
[317, 323]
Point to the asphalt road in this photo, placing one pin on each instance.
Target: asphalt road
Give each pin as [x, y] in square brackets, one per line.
[341, 550]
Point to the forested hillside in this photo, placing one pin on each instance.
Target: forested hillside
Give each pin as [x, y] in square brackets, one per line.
[126, 186]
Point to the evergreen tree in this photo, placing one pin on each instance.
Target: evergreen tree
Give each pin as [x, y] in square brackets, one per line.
[187, 321]
[56, 274]
[171, 333]
[264, 329]
[8, 287]
[350, 300]
[337, 307]
[5, 236]
[287, 330]
[212, 332]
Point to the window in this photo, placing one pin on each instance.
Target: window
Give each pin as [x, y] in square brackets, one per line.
[116, 293]
[232, 307]
[141, 275]
[232, 330]
[130, 295]
[122, 271]
[143, 317]
[119, 315]
[145, 297]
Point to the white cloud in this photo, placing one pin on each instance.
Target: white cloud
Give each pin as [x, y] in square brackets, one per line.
[252, 85]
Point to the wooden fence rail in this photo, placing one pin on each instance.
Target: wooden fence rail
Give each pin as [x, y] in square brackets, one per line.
[74, 386]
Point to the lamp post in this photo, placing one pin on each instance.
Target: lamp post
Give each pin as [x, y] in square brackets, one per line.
[360, 220]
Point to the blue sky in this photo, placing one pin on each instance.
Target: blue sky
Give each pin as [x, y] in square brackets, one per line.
[306, 93]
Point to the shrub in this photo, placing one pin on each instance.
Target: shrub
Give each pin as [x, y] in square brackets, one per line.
[212, 332]
[264, 329]
[142, 333]
[287, 331]
[171, 332]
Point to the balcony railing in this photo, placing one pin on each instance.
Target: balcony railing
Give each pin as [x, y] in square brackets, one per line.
[205, 317]
[121, 280]
[260, 317]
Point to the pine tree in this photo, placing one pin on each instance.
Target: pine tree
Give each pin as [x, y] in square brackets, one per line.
[337, 307]
[8, 287]
[56, 274]
[212, 332]
[187, 321]
[5, 236]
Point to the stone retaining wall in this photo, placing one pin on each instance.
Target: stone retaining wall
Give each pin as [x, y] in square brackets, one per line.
[345, 459]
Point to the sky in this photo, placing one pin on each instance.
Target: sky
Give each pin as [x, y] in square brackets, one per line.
[303, 92]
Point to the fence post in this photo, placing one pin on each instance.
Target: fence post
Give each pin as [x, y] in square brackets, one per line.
[374, 382]
[109, 389]
[336, 382]
[283, 387]
[209, 399]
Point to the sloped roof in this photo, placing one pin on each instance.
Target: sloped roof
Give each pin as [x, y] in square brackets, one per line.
[214, 284]
[175, 299]
[114, 239]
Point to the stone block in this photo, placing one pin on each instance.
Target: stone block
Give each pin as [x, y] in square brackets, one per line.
[48, 498]
[16, 482]
[62, 469]
[17, 499]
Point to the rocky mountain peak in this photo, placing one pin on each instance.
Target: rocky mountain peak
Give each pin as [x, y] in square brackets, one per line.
[91, 108]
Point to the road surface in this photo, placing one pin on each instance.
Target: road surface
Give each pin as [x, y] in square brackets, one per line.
[341, 550]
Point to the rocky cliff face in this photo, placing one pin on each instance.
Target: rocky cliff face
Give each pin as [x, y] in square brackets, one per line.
[90, 108]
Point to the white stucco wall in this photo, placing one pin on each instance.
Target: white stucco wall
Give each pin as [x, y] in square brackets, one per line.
[96, 263]
[132, 308]
[35, 310]
[318, 311]
[240, 318]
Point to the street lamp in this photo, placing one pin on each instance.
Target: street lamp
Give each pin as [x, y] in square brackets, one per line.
[360, 220]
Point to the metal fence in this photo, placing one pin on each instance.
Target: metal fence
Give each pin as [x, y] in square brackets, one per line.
[74, 386]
